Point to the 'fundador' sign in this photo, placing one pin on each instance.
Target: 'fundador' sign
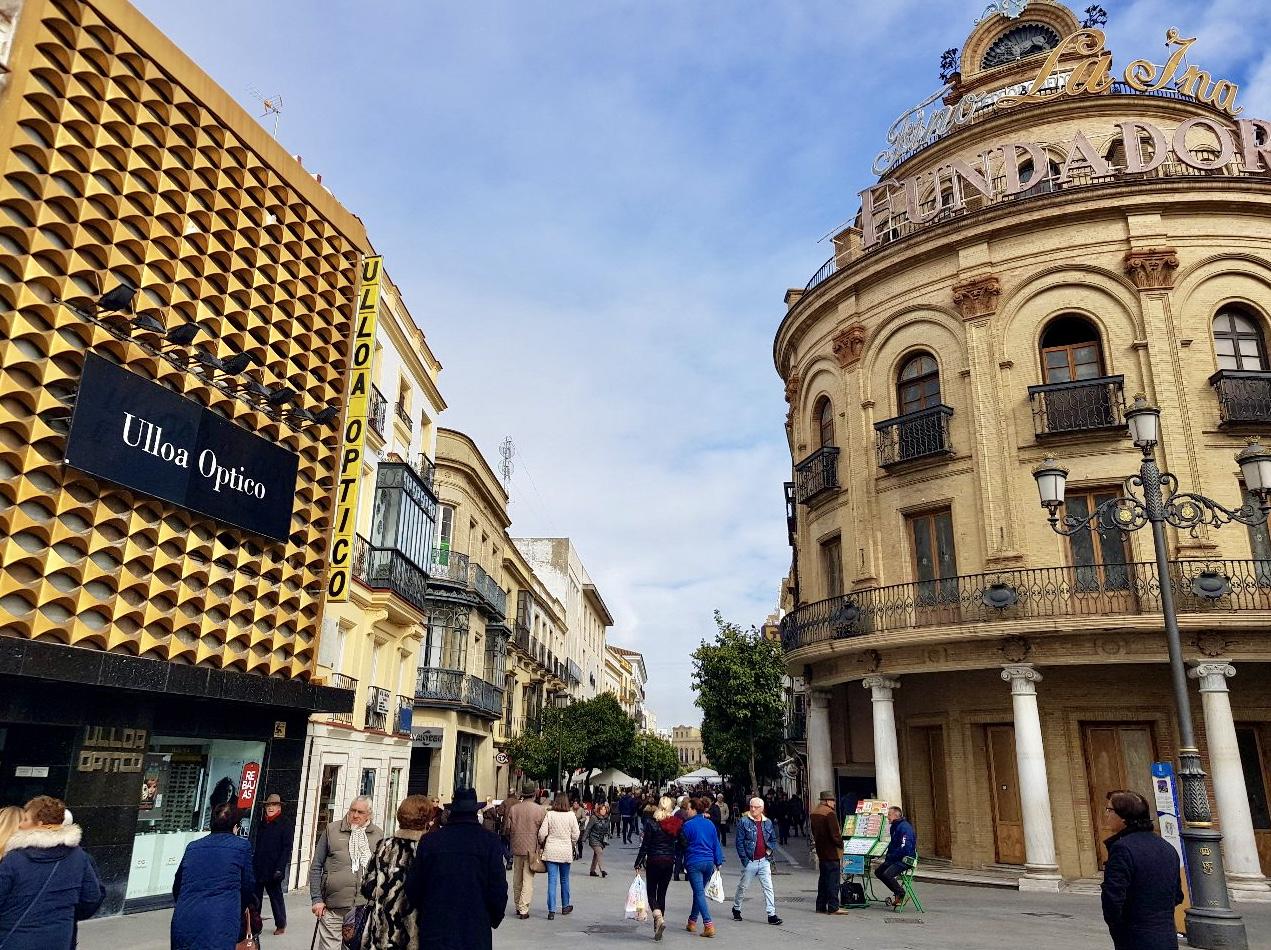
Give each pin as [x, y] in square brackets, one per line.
[134, 432]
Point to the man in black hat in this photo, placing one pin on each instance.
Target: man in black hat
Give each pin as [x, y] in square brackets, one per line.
[827, 838]
[272, 854]
[457, 882]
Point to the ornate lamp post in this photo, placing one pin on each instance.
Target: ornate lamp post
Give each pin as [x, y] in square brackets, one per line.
[1152, 498]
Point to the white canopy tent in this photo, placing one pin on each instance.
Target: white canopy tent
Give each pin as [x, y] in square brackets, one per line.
[605, 777]
[709, 776]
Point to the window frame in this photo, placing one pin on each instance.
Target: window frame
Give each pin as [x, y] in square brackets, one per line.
[1231, 312]
[822, 415]
[919, 380]
[1093, 577]
[1070, 350]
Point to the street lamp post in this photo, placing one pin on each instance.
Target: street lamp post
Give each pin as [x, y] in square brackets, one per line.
[1152, 498]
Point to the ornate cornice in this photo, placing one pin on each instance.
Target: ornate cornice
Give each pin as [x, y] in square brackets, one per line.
[1152, 269]
[977, 296]
[848, 345]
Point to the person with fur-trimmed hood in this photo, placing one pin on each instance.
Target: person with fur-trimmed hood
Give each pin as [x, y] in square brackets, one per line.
[391, 923]
[47, 881]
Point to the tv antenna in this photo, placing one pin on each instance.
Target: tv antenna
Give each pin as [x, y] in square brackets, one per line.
[507, 448]
[271, 104]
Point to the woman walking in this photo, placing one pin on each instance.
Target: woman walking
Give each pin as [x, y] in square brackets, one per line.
[703, 856]
[391, 924]
[1141, 878]
[47, 881]
[214, 887]
[599, 828]
[558, 834]
[656, 858]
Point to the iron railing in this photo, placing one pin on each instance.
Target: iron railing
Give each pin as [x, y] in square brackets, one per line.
[449, 567]
[389, 569]
[379, 703]
[573, 672]
[521, 634]
[376, 410]
[425, 469]
[454, 687]
[1092, 590]
[1244, 396]
[824, 274]
[817, 475]
[342, 681]
[405, 716]
[403, 415]
[1083, 405]
[914, 435]
[488, 590]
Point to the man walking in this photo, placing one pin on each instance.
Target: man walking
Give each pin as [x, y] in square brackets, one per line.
[522, 824]
[271, 855]
[340, 858]
[827, 836]
[627, 807]
[755, 839]
[903, 844]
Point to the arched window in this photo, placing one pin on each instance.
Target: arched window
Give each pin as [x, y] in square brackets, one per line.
[824, 421]
[918, 386]
[1039, 185]
[1071, 350]
[1238, 341]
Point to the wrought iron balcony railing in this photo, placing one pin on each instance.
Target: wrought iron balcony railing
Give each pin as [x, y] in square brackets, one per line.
[521, 634]
[1085, 405]
[426, 470]
[405, 716]
[494, 596]
[817, 475]
[379, 703]
[376, 410]
[437, 686]
[403, 415]
[341, 681]
[915, 435]
[1092, 590]
[449, 567]
[1244, 397]
[389, 569]
[573, 672]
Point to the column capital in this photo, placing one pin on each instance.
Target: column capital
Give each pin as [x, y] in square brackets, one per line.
[881, 686]
[819, 698]
[1023, 678]
[1213, 675]
[976, 297]
[1152, 268]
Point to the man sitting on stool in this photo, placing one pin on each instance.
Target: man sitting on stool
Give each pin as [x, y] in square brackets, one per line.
[903, 845]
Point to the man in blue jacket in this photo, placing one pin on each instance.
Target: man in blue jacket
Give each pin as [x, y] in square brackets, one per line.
[755, 841]
[903, 844]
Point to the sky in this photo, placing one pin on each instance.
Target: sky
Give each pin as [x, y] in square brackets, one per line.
[593, 209]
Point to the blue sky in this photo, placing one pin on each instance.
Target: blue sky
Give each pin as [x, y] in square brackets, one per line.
[594, 208]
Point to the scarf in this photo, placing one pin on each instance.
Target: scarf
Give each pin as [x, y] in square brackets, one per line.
[359, 848]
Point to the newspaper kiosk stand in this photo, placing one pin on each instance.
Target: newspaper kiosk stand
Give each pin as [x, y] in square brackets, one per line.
[863, 840]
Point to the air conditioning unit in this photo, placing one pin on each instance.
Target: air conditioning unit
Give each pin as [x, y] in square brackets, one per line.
[381, 703]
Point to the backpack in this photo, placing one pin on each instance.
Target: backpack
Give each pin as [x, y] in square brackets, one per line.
[852, 894]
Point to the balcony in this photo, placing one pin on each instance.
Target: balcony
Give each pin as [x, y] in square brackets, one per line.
[450, 568]
[426, 470]
[573, 673]
[439, 687]
[376, 410]
[1085, 405]
[817, 475]
[491, 594]
[403, 415]
[378, 706]
[915, 435]
[521, 634]
[341, 681]
[1244, 397]
[1045, 594]
[405, 716]
[389, 569]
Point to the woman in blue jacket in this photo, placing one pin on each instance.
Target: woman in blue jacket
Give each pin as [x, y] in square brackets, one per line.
[702, 857]
[213, 886]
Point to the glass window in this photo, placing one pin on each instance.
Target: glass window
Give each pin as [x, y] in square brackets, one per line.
[1238, 341]
[1100, 557]
[919, 384]
[825, 422]
[404, 515]
[367, 787]
[832, 565]
[392, 800]
[935, 557]
[1071, 350]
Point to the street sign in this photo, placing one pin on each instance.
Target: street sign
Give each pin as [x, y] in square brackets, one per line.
[501, 758]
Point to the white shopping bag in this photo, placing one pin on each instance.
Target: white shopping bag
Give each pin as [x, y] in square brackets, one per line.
[637, 899]
[715, 888]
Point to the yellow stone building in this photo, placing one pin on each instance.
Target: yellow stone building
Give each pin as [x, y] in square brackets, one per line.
[1042, 249]
[688, 746]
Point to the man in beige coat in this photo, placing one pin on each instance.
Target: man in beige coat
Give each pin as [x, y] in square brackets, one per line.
[522, 824]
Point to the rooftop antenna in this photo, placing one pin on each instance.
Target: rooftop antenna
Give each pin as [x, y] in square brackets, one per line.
[271, 104]
[507, 448]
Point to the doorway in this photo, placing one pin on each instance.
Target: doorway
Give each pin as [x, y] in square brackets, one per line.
[326, 799]
[1119, 755]
[417, 780]
[929, 741]
[1008, 816]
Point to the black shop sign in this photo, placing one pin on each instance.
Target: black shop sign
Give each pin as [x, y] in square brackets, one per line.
[136, 433]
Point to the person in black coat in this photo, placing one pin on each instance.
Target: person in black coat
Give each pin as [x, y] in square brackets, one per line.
[1141, 885]
[457, 884]
[274, 835]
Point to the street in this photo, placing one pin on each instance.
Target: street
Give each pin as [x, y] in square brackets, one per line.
[956, 918]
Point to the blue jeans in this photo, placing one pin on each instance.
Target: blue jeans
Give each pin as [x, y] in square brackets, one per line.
[698, 877]
[761, 869]
[557, 870]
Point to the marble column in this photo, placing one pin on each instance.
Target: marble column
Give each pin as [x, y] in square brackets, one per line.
[886, 750]
[1041, 869]
[820, 753]
[1239, 849]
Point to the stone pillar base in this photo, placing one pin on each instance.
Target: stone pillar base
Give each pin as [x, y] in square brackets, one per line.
[1249, 888]
[1041, 879]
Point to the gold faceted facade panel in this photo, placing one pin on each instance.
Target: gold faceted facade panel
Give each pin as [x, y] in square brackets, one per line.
[115, 172]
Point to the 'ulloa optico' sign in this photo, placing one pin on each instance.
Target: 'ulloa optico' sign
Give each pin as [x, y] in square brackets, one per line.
[136, 433]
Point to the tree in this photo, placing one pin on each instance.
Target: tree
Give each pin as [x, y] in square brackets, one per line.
[555, 743]
[608, 733]
[738, 680]
[652, 757]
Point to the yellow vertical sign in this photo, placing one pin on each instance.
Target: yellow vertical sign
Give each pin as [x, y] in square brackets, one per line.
[354, 441]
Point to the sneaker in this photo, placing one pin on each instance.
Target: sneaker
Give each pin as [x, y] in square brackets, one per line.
[708, 930]
[736, 914]
[774, 920]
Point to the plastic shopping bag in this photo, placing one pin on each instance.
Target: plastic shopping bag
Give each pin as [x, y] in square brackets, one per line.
[637, 900]
[715, 888]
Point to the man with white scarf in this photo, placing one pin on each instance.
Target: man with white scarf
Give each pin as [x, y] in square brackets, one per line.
[340, 856]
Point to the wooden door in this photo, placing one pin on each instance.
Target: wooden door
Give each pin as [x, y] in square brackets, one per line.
[1118, 756]
[1008, 817]
[941, 832]
[1257, 770]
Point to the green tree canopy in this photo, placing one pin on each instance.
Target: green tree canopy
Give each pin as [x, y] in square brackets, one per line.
[608, 732]
[593, 734]
[652, 758]
[738, 682]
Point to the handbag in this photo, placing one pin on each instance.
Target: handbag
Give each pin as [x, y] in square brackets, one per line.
[248, 942]
[351, 927]
[536, 862]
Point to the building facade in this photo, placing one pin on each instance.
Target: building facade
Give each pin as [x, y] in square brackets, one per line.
[178, 296]
[1053, 241]
[688, 745]
[627, 680]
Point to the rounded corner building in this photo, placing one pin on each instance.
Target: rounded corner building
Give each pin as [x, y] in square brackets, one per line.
[1055, 232]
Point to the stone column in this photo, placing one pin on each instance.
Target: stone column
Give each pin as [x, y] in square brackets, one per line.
[1041, 870]
[820, 753]
[1239, 849]
[886, 750]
